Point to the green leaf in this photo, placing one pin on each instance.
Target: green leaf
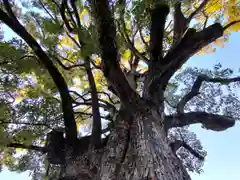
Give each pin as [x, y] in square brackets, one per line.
[52, 27]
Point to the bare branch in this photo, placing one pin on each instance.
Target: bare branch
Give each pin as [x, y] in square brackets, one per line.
[190, 44]
[9, 9]
[230, 24]
[25, 123]
[142, 38]
[196, 87]
[200, 7]
[158, 19]
[63, 7]
[68, 67]
[192, 151]
[206, 20]
[97, 125]
[46, 10]
[209, 121]
[28, 147]
[69, 121]
[180, 23]
[178, 143]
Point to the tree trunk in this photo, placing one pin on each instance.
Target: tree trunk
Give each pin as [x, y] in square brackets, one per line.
[137, 149]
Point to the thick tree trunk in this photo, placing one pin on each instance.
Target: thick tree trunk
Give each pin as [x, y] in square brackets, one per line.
[135, 151]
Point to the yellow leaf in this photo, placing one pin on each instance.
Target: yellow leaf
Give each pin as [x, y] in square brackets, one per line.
[147, 38]
[20, 149]
[220, 42]
[19, 99]
[213, 6]
[84, 16]
[126, 56]
[66, 41]
[98, 60]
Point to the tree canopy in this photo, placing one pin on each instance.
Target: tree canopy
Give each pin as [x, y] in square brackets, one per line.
[53, 65]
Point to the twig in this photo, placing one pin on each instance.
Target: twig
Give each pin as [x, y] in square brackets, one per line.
[196, 87]
[29, 147]
[201, 6]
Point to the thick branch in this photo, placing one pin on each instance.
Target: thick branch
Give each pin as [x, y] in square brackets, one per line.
[158, 19]
[65, 20]
[178, 143]
[210, 121]
[29, 147]
[190, 44]
[109, 51]
[180, 23]
[71, 130]
[97, 125]
[196, 87]
[192, 151]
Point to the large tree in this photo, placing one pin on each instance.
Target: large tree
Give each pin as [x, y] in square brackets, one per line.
[115, 69]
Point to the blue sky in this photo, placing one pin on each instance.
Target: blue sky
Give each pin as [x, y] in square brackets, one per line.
[223, 159]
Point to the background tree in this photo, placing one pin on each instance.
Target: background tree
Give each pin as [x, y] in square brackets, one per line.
[96, 89]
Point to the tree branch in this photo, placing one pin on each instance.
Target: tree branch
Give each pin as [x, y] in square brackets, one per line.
[28, 147]
[109, 52]
[25, 123]
[230, 24]
[178, 143]
[196, 87]
[142, 38]
[68, 67]
[69, 121]
[158, 19]
[125, 35]
[190, 44]
[46, 10]
[200, 7]
[65, 20]
[209, 121]
[180, 23]
[97, 123]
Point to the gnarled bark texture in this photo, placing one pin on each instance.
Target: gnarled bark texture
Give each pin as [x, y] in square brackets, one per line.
[134, 151]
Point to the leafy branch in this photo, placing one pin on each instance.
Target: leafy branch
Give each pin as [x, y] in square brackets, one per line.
[69, 121]
[125, 35]
[29, 147]
[196, 87]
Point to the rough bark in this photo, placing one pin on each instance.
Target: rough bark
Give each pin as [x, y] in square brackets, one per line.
[136, 149]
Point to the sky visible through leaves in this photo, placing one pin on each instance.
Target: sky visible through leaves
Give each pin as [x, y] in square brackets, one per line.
[222, 159]
[223, 148]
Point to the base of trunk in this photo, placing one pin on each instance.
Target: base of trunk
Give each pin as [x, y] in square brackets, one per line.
[136, 151]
